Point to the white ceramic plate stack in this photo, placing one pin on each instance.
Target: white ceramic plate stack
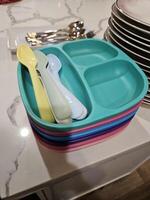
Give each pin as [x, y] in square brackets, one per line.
[129, 29]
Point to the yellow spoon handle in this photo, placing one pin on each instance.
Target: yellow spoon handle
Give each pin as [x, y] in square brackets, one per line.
[41, 97]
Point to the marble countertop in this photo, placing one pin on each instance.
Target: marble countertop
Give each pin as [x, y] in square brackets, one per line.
[24, 163]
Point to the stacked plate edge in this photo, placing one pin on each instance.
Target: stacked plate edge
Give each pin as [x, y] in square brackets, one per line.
[89, 135]
[129, 29]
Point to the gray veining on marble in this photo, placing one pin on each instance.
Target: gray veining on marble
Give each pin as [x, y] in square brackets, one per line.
[12, 110]
[12, 9]
[100, 24]
[73, 11]
[12, 172]
[35, 14]
[80, 5]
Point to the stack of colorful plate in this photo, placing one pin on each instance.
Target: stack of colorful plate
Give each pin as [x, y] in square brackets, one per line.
[129, 29]
[103, 78]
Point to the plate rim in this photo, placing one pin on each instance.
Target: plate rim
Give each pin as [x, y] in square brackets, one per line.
[138, 48]
[127, 48]
[112, 23]
[129, 16]
[129, 24]
[106, 35]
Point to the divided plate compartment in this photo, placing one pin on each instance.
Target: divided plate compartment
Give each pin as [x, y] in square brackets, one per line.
[99, 74]
[145, 68]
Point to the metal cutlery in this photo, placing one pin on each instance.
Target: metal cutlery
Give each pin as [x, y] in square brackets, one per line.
[73, 31]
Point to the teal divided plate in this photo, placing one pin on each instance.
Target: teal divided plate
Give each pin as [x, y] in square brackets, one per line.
[99, 74]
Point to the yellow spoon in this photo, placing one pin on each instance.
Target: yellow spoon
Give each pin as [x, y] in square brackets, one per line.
[26, 56]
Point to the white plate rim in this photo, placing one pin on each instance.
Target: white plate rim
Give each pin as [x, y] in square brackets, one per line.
[147, 99]
[131, 25]
[138, 63]
[146, 102]
[146, 39]
[139, 48]
[129, 16]
[129, 49]
[129, 36]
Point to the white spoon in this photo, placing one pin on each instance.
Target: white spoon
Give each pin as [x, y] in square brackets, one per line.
[60, 106]
[79, 111]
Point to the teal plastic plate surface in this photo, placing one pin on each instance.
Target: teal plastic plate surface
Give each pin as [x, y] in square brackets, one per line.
[99, 74]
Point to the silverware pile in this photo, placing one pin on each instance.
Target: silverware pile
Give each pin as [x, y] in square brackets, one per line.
[73, 31]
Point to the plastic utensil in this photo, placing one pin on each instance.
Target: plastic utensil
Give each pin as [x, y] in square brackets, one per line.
[26, 56]
[79, 111]
[60, 106]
